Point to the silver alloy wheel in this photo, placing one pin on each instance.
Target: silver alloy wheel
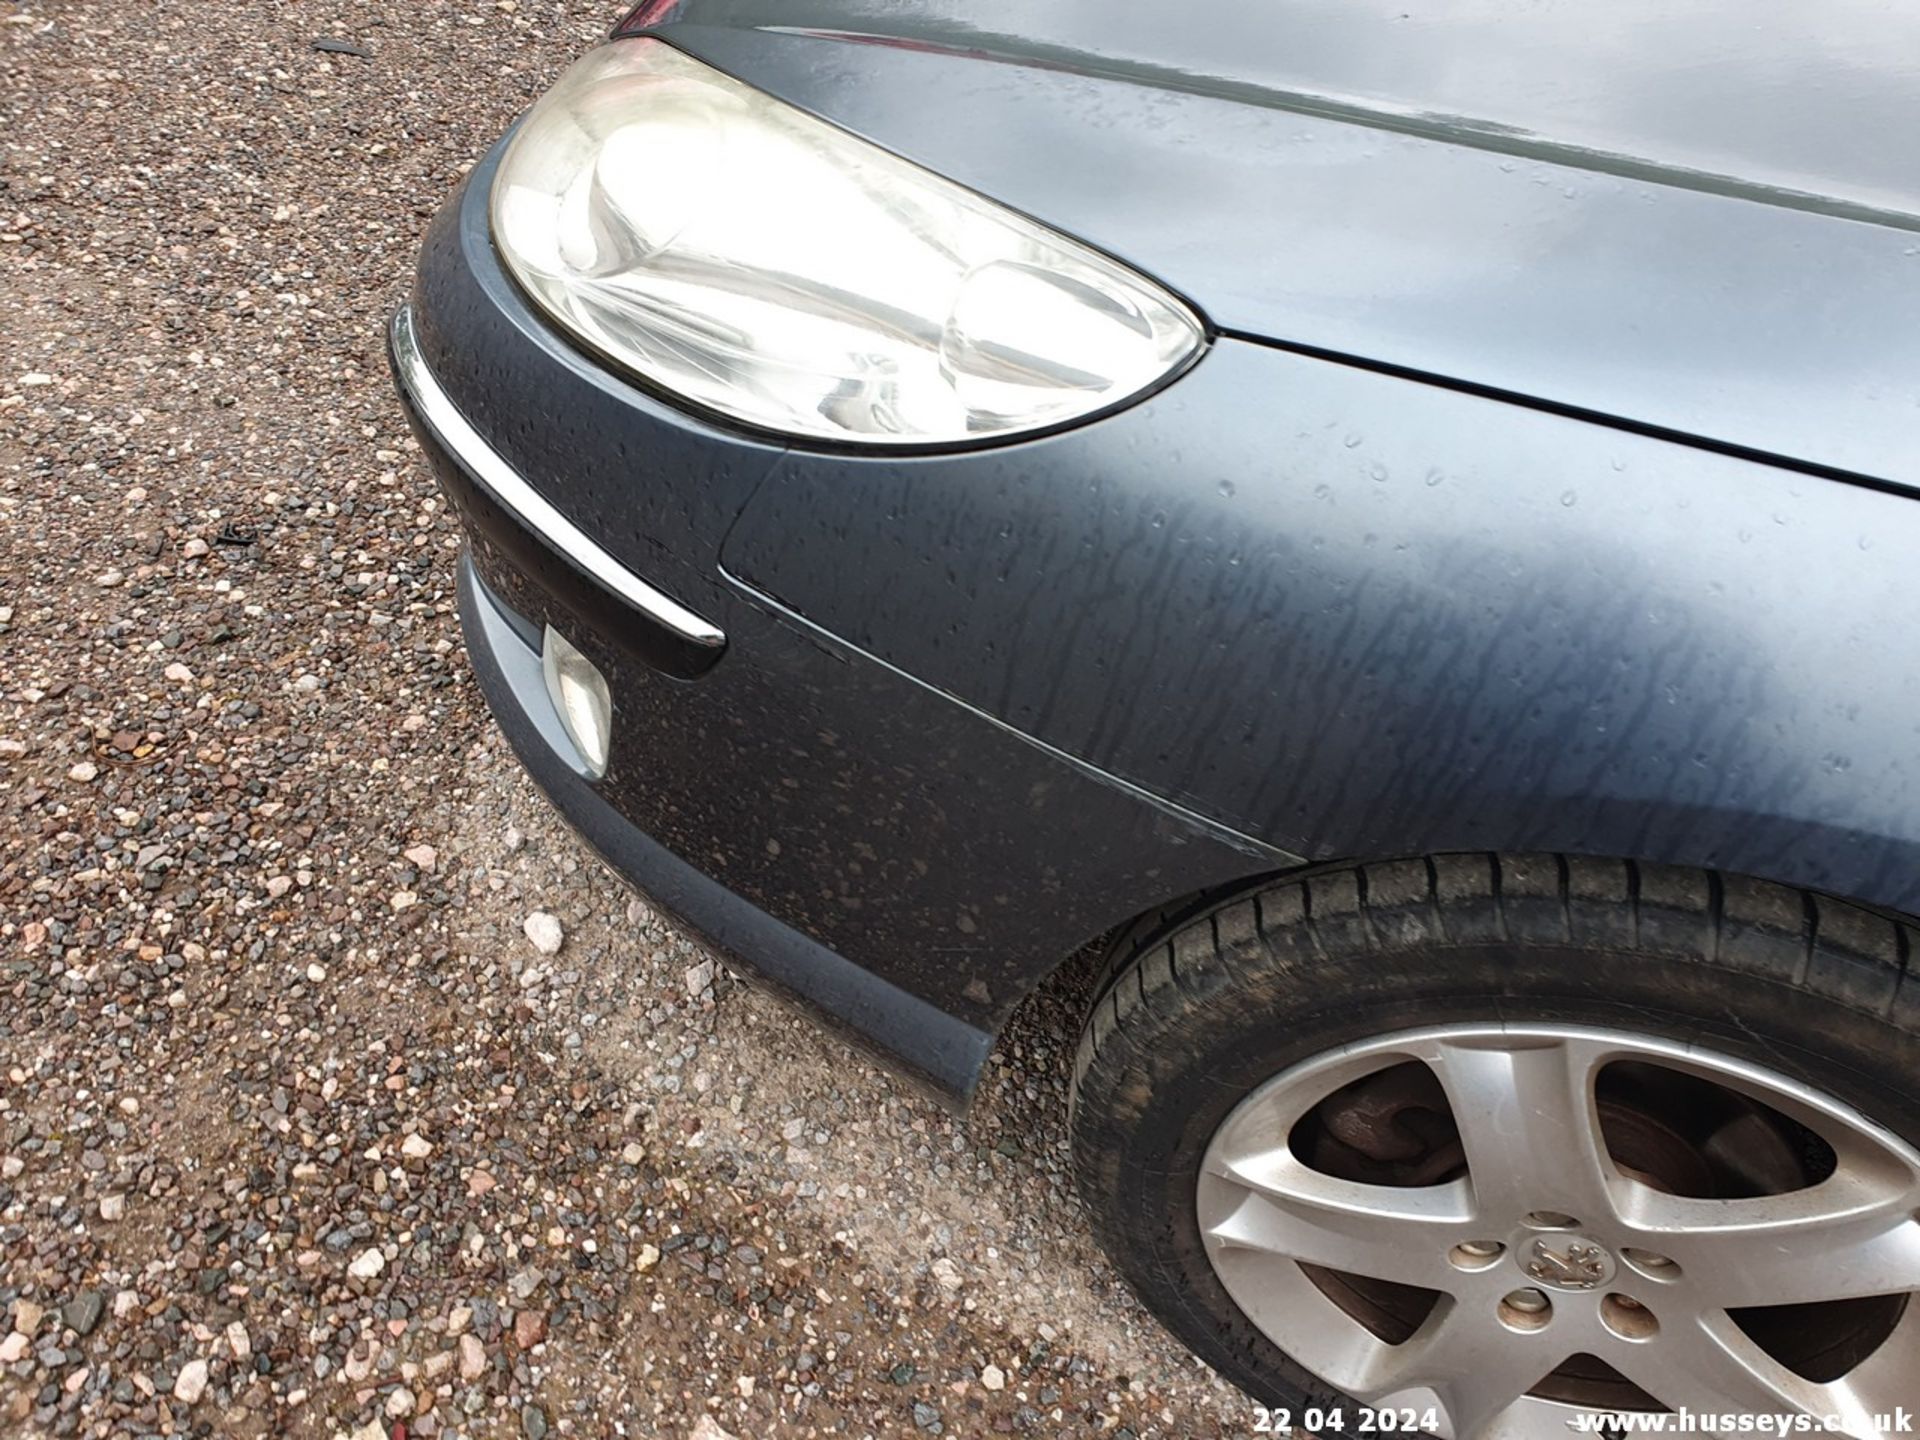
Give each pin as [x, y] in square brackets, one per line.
[1544, 1250]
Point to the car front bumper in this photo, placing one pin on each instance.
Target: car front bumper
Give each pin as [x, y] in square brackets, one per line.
[900, 862]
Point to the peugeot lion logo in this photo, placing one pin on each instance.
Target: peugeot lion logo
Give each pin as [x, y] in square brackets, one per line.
[1573, 1265]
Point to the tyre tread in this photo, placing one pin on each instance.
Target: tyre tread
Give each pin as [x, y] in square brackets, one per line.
[1173, 957]
[1252, 948]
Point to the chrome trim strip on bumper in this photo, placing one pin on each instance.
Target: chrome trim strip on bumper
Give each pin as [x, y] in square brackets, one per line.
[532, 509]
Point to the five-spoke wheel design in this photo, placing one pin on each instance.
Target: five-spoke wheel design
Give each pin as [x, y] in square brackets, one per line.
[1512, 1224]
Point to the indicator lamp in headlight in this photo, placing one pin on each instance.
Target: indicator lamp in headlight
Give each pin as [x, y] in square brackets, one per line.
[748, 257]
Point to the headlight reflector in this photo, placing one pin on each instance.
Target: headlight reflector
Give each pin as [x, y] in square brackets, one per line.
[740, 253]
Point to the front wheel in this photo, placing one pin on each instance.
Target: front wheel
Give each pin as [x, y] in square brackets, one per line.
[1503, 1146]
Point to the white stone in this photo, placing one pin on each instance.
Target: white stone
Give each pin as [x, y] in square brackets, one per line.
[544, 932]
[191, 1383]
[367, 1264]
[178, 674]
[994, 1378]
[473, 1357]
[416, 1147]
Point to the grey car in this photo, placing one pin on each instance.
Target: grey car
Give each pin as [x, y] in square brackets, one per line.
[1395, 520]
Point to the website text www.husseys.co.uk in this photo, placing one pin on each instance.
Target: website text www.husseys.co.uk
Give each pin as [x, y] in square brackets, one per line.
[1694, 1422]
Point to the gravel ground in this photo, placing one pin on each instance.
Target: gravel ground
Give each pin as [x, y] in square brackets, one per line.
[301, 1131]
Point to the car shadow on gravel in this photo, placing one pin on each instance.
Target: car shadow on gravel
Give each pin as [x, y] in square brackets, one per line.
[969, 1220]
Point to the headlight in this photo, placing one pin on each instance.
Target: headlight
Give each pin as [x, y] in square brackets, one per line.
[740, 253]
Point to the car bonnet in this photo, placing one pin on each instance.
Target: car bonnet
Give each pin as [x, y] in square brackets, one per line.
[1700, 220]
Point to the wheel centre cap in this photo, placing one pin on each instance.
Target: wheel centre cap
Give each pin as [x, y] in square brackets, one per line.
[1563, 1261]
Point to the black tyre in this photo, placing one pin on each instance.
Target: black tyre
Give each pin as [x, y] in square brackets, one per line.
[1269, 1091]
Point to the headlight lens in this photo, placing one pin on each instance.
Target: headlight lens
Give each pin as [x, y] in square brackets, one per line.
[755, 260]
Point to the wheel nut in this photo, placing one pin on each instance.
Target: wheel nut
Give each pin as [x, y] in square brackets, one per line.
[1653, 1266]
[1525, 1310]
[1628, 1318]
[1475, 1254]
